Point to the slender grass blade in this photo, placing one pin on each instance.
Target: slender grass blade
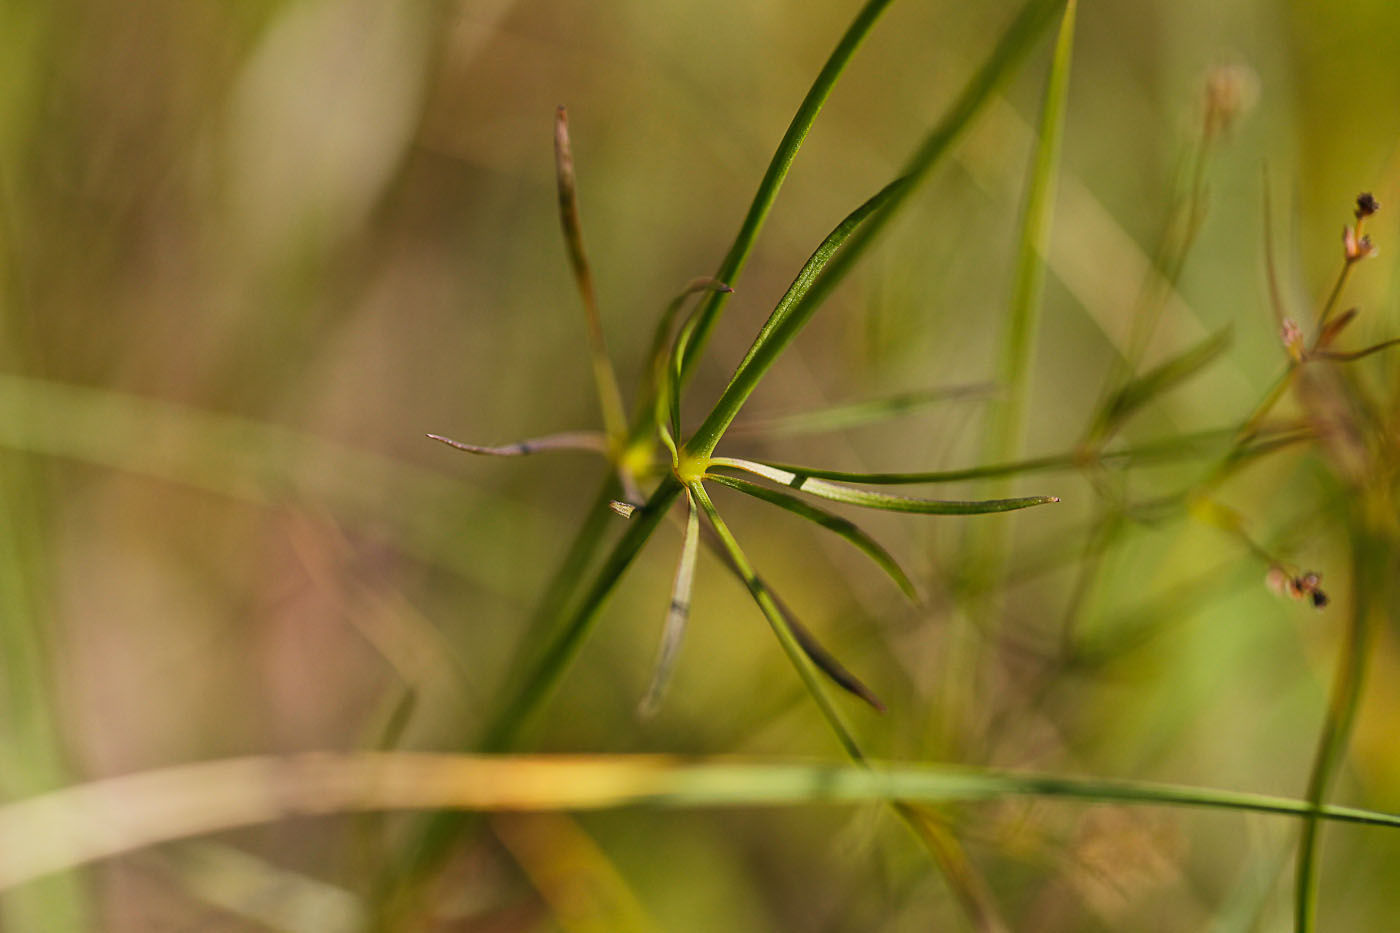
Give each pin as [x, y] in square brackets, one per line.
[841, 526]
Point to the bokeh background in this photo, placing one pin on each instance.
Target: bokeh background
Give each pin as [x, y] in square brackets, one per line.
[253, 251]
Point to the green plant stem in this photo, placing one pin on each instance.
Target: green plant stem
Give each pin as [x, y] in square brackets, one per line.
[53, 832]
[778, 622]
[1370, 582]
[566, 579]
[747, 376]
[1014, 45]
[1023, 319]
[546, 671]
[835, 523]
[943, 847]
[1184, 446]
[605, 380]
[432, 841]
[732, 266]
[1330, 304]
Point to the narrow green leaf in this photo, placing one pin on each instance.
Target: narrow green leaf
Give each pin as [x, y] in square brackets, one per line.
[733, 263]
[669, 398]
[836, 523]
[536, 681]
[591, 441]
[837, 492]
[811, 270]
[1343, 356]
[1334, 328]
[1022, 323]
[546, 670]
[676, 614]
[1371, 585]
[609, 393]
[1013, 47]
[779, 623]
[1135, 394]
[53, 832]
[825, 661]
[857, 414]
[1270, 266]
[661, 341]
[1179, 447]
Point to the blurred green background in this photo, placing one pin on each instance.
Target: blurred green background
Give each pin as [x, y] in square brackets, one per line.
[254, 250]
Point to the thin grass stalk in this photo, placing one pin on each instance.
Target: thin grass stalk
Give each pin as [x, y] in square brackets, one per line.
[825, 661]
[834, 523]
[605, 380]
[60, 830]
[1023, 318]
[677, 613]
[838, 492]
[586, 441]
[732, 266]
[946, 851]
[855, 414]
[1015, 44]
[1370, 583]
[555, 657]
[431, 842]
[778, 622]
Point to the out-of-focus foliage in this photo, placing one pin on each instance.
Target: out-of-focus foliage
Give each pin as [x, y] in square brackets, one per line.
[251, 252]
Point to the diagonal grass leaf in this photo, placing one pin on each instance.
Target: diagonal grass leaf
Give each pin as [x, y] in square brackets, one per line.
[841, 526]
[676, 614]
[1012, 48]
[779, 623]
[1179, 447]
[733, 263]
[591, 441]
[1122, 404]
[1022, 323]
[55, 831]
[837, 492]
[609, 393]
[824, 660]
[660, 350]
[1344, 356]
[857, 414]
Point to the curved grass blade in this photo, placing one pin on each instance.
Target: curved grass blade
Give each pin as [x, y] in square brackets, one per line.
[1342, 356]
[825, 661]
[811, 270]
[676, 614]
[857, 414]
[1022, 324]
[668, 397]
[609, 393]
[1179, 447]
[1371, 587]
[836, 523]
[1122, 404]
[819, 656]
[837, 492]
[732, 265]
[539, 676]
[1011, 49]
[797, 655]
[1270, 266]
[56, 831]
[1334, 328]
[554, 658]
[661, 339]
[591, 441]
